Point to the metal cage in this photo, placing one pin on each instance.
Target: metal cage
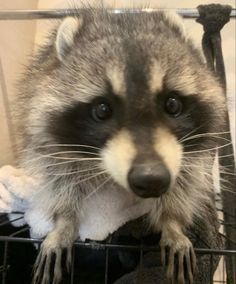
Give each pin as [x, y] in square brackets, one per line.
[18, 250]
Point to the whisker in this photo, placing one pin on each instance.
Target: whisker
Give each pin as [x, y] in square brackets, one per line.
[73, 172]
[52, 156]
[196, 166]
[192, 131]
[58, 164]
[191, 145]
[227, 173]
[209, 149]
[203, 136]
[60, 145]
[223, 156]
[207, 181]
[206, 157]
[74, 159]
[195, 158]
[212, 134]
[73, 152]
[194, 174]
[209, 174]
[72, 181]
[228, 166]
[86, 179]
[96, 190]
[208, 171]
[228, 190]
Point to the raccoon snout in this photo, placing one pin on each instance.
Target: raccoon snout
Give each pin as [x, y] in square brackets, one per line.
[149, 180]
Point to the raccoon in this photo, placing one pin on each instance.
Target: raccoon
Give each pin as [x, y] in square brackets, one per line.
[125, 102]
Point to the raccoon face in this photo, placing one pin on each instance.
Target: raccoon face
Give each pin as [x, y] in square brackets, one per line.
[132, 87]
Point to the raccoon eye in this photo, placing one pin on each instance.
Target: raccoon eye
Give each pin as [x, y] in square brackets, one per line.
[101, 111]
[174, 106]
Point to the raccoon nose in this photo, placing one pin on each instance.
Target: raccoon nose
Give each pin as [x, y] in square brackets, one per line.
[150, 180]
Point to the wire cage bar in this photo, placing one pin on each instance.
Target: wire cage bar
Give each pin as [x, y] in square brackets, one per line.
[10, 236]
[60, 13]
[20, 237]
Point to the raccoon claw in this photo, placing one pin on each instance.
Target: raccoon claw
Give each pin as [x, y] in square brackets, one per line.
[184, 252]
[187, 256]
[50, 259]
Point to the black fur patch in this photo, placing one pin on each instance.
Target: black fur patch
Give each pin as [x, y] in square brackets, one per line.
[196, 118]
[76, 125]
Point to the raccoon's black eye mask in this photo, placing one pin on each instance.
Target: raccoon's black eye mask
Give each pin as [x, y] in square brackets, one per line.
[95, 122]
[185, 114]
[87, 123]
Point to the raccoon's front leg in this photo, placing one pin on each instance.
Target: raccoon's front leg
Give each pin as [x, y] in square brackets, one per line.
[50, 255]
[179, 245]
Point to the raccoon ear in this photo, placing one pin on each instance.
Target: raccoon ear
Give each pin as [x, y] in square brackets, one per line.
[66, 35]
[176, 21]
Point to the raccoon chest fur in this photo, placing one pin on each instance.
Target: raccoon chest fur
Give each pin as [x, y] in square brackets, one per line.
[100, 215]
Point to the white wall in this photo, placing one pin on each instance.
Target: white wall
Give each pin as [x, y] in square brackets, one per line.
[17, 40]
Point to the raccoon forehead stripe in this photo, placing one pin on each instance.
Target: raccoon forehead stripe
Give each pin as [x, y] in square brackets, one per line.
[115, 75]
[156, 78]
[169, 149]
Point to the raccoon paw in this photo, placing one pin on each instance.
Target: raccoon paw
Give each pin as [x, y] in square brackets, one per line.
[182, 249]
[49, 263]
